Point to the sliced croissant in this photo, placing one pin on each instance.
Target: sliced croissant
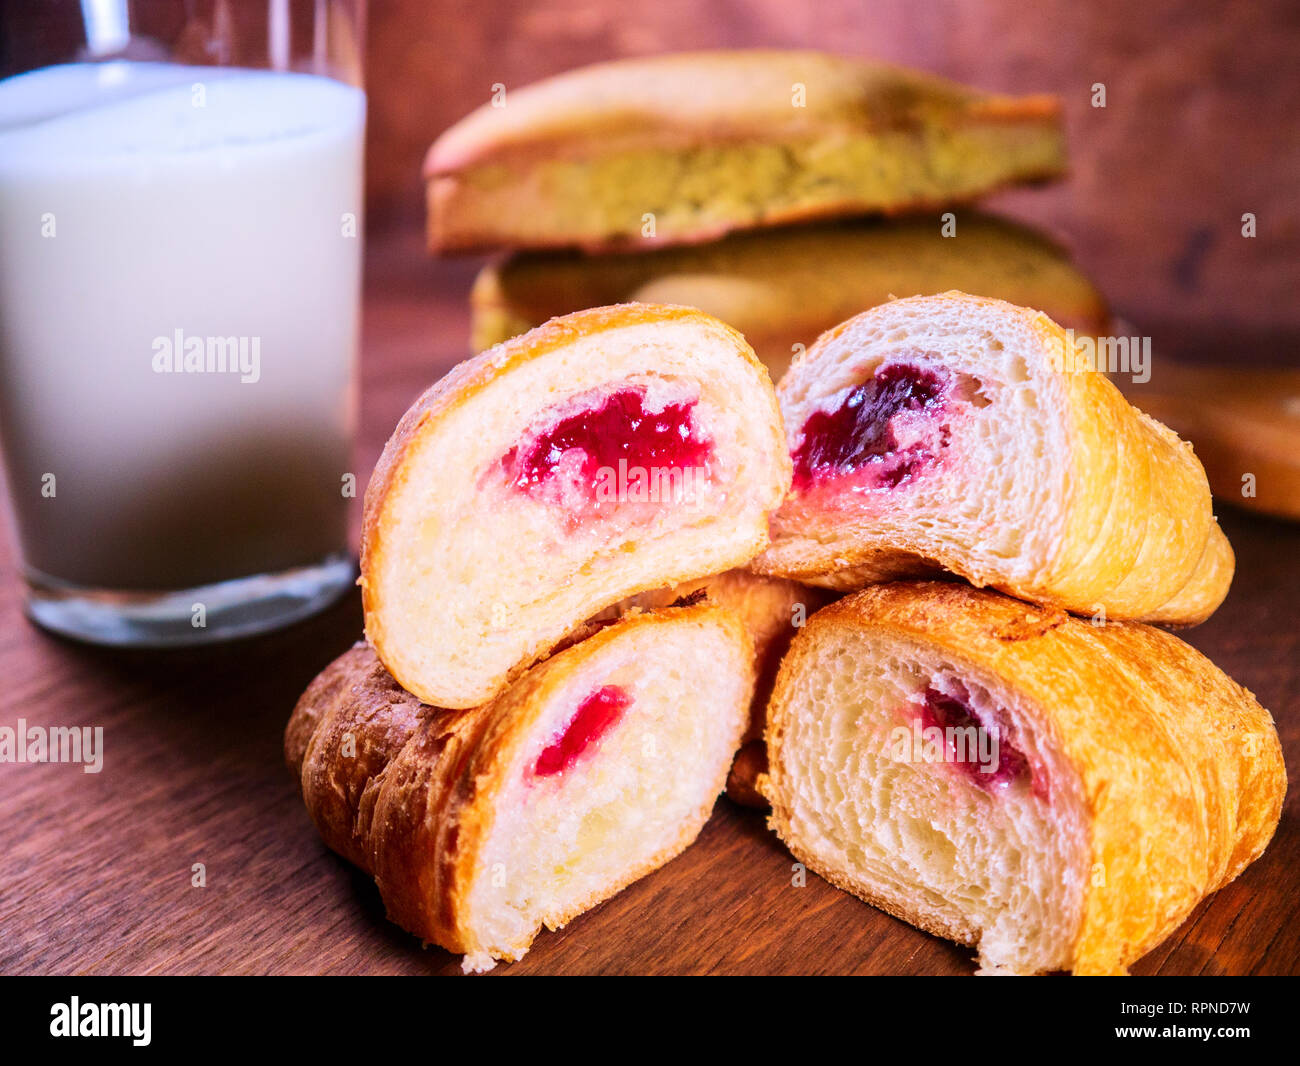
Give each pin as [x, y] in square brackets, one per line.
[600, 455]
[482, 826]
[773, 610]
[965, 434]
[1057, 794]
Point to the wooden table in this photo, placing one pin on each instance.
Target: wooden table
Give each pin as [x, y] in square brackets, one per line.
[95, 870]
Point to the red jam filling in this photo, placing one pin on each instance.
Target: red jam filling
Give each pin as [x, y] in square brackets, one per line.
[862, 433]
[944, 711]
[596, 716]
[585, 450]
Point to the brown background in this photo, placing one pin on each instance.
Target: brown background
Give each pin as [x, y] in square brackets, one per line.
[1199, 125]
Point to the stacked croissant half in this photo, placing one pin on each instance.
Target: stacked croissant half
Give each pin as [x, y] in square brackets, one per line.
[515, 743]
[1047, 778]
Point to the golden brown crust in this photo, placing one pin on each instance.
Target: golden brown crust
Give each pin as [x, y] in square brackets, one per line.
[406, 791]
[667, 107]
[1156, 499]
[1138, 537]
[681, 98]
[379, 773]
[1181, 768]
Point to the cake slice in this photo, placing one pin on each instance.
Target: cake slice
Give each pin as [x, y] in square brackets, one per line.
[606, 453]
[482, 826]
[962, 434]
[783, 287]
[1055, 794]
[684, 148]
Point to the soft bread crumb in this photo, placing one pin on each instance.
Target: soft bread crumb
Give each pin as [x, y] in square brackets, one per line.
[478, 962]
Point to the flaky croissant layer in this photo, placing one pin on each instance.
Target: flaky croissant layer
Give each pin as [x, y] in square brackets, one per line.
[482, 826]
[603, 454]
[962, 434]
[1058, 794]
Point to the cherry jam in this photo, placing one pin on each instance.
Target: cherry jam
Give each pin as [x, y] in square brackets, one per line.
[595, 717]
[586, 446]
[861, 433]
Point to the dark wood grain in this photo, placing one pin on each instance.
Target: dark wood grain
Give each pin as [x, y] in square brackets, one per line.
[95, 869]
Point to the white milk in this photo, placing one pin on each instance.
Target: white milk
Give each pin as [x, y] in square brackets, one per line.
[146, 209]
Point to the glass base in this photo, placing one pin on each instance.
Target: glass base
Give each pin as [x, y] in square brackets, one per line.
[203, 615]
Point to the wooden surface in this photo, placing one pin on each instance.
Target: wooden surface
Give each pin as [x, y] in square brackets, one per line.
[95, 870]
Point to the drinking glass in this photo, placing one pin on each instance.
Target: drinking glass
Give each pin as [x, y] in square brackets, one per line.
[180, 265]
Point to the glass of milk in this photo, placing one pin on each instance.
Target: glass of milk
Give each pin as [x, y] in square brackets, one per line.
[180, 259]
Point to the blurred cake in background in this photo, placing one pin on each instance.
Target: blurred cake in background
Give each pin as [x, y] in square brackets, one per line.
[685, 147]
[781, 288]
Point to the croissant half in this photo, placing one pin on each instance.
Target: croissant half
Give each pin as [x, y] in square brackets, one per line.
[603, 454]
[1057, 794]
[965, 434]
[772, 610]
[481, 826]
